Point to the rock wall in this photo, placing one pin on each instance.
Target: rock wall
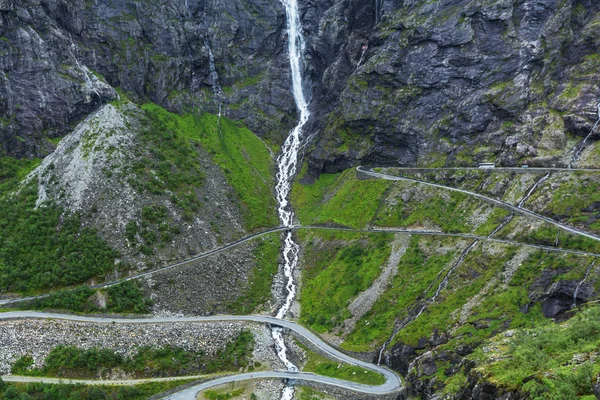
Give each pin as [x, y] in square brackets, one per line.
[454, 81]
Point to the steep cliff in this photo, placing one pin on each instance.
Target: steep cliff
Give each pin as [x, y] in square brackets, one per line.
[455, 82]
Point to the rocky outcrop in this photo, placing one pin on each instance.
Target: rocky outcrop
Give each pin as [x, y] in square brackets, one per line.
[59, 58]
[558, 297]
[395, 83]
[499, 80]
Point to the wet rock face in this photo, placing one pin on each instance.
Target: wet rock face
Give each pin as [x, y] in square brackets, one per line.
[400, 83]
[559, 297]
[55, 51]
[435, 77]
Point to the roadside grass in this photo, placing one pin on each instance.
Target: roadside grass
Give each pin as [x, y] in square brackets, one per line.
[48, 391]
[126, 297]
[467, 280]
[539, 361]
[417, 270]
[338, 267]
[326, 367]
[494, 220]
[447, 210]
[339, 199]
[548, 235]
[73, 362]
[308, 393]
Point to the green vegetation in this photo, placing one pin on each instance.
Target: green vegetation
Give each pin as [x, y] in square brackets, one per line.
[339, 267]
[444, 209]
[32, 391]
[418, 269]
[323, 366]
[41, 248]
[215, 395]
[539, 361]
[126, 297]
[307, 393]
[72, 362]
[496, 217]
[244, 159]
[339, 198]
[266, 265]
[13, 171]
[571, 196]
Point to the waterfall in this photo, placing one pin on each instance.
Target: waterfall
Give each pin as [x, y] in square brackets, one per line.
[214, 75]
[364, 49]
[89, 82]
[533, 188]
[378, 10]
[587, 273]
[444, 282]
[287, 164]
[582, 145]
[431, 300]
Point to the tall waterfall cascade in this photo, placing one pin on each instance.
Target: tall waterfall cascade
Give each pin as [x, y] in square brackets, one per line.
[287, 164]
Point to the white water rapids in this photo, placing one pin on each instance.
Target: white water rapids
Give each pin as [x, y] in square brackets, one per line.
[287, 166]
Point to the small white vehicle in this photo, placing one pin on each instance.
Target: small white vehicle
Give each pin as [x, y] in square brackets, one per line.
[487, 165]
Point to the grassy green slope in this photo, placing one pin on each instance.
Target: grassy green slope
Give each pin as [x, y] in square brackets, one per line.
[339, 267]
[245, 160]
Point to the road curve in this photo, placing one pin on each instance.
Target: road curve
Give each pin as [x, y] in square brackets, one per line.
[392, 381]
[500, 203]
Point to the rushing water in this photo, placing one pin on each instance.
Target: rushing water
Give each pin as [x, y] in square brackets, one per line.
[214, 75]
[378, 10]
[582, 145]
[587, 274]
[287, 165]
[533, 188]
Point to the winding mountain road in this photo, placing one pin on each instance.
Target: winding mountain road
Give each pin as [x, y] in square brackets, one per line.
[392, 381]
[500, 203]
[315, 227]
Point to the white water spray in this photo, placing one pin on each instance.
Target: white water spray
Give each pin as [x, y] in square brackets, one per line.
[287, 167]
[214, 75]
[533, 188]
[576, 292]
[582, 145]
[378, 10]
[89, 81]
[364, 49]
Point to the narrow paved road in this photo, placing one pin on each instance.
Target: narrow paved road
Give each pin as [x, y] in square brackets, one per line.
[392, 381]
[103, 382]
[498, 169]
[500, 203]
[315, 227]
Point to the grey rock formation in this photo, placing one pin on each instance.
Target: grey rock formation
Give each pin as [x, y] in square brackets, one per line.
[54, 51]
[436, 80]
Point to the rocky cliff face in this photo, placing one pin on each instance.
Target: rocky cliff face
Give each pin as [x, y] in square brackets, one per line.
[392, 82]
[455, 82]
[59, 58]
